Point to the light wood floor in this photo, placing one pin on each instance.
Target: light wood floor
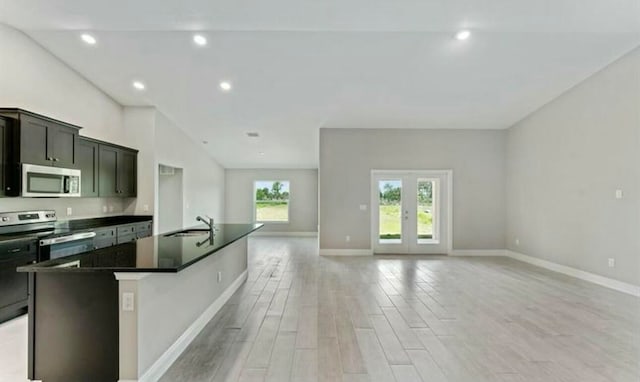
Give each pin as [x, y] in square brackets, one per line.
[301, 317]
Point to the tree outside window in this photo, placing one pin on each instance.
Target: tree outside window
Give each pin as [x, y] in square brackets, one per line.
[272, 201]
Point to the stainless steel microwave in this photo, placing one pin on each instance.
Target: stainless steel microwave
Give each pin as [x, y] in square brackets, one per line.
[44, 181]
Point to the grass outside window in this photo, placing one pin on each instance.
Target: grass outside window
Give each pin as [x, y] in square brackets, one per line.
[271, 201]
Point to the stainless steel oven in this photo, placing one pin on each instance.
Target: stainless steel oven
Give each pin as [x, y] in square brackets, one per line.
[44, 181]
[66, 245]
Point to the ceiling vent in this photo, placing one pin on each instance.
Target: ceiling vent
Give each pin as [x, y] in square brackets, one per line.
[253, 134]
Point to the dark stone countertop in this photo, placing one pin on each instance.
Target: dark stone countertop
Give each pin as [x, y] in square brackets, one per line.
[105, 221]
[160, 253]
[62, 227]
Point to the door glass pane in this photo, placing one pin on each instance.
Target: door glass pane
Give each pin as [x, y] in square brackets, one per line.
[425, 212]
[390, 213]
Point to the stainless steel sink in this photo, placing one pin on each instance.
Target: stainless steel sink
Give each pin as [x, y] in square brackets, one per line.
[190, 232]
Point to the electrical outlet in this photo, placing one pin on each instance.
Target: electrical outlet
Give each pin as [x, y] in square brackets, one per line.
[69, 211]
[612, 262]
[619, 194]
[145, 207]
[128, 301]
[104, 209]
[347, 238]
[363, 207]
[517, 241]
[219, 276]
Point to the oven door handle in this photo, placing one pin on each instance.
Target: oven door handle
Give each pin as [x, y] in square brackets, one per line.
[71, 264]
[68, 238]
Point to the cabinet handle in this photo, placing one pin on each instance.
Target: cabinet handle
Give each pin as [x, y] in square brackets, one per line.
[55, 159]
[49, 158]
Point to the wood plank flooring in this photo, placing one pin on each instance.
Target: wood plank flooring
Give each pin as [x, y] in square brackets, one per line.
[301, 317]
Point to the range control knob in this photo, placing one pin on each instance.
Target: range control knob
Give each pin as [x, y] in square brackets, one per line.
[5, 219]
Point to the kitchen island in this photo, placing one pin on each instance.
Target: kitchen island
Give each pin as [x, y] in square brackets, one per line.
[126, 312]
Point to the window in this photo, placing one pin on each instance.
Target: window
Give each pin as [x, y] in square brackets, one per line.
[271, 201]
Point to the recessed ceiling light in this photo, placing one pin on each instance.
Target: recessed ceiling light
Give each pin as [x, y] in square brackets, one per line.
[225, 86]
[261, 153]
[89, 39]
[253, 134]
[199, 39]
[138, 85]
[463, 34]
[205, 142]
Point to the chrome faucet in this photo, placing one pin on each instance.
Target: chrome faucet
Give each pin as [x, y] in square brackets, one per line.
[209, 222]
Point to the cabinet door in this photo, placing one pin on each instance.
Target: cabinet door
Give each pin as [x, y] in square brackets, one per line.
[61, 144]
[33, 141]
[108, 171]
[127, 169]
[87, 162]
[3, 152]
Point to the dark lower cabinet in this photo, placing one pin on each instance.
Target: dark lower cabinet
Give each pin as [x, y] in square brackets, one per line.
[3, 153]
[87, 160]
[13, 285]
[118, 171]
[73, 326]
[126, 233]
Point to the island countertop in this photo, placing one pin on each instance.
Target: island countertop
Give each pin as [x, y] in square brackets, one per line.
[160, 253]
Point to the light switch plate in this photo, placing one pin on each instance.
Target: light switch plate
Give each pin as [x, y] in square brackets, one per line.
[619, 194]
[363, 207]
[69, 211]
[128, 301]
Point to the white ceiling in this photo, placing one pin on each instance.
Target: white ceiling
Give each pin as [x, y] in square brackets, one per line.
[298, 65]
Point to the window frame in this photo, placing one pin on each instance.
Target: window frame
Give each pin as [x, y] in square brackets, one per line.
[255, 200]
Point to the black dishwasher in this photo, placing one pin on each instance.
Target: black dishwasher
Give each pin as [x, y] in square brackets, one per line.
[13, 285]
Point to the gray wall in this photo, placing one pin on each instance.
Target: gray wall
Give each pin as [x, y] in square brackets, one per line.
[564, 163]
[476, 157]
[168, 304]
[170, 201]
[303, 207]
[202, 176]
[33, 80]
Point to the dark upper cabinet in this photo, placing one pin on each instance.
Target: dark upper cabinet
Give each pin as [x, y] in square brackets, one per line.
[108, 172]
[87, 161]
[128, 173]
[61, 145]
[33, 142]
[41, 140]
[118, 171]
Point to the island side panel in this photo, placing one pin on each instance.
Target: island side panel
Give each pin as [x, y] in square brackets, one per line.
[168, 305]
[73, 334]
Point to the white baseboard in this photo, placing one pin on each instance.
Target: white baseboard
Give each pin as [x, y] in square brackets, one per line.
[162, 364]
[577, 273]
[285, 234]
[346, 252]
[477, 252]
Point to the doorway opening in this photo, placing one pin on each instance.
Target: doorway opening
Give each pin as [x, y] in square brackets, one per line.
[170, 198]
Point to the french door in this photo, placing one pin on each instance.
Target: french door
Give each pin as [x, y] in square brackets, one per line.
[410, 211]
